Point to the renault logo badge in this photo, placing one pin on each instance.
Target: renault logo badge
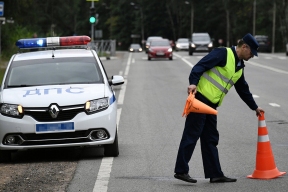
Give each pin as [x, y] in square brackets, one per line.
[54, 111]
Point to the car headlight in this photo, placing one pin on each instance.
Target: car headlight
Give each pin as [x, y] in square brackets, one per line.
[140, 49]
[178, 45]
[11, 110]
[210, 44]
[150, 50]
[96, 105]
[169, 50]
[193, 45]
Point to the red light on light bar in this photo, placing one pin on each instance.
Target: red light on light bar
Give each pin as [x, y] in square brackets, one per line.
[74, 40]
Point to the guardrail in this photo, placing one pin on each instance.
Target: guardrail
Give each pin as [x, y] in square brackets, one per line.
[104, 47]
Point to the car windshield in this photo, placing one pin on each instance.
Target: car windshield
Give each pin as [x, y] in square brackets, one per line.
[261, 38]
[135, 46]
[53, 71]
[183, 40]
[201, 38]
[159, 43]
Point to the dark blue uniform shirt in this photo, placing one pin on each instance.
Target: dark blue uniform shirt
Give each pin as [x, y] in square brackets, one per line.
[218, 57]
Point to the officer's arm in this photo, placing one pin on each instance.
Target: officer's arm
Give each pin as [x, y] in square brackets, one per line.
[243, 91]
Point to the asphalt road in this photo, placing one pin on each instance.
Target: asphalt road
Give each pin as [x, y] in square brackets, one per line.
[150, 106]
[151, 125]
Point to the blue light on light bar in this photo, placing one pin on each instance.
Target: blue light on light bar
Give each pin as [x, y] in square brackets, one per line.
[53, 42]
[31, 43]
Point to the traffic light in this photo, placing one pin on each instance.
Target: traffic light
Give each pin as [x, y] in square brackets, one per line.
[92, 18]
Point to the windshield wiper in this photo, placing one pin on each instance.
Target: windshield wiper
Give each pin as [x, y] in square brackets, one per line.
[22, 85]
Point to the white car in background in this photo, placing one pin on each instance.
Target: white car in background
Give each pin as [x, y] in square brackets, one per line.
[182, 44]
[57, 97]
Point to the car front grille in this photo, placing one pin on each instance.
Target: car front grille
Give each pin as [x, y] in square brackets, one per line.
[65, 113]
[30, 139]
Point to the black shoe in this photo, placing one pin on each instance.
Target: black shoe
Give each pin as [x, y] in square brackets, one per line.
[185, 177]
[222, 180]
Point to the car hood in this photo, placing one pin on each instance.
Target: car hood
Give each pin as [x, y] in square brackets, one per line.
[160, 47]
[183, 43]
[42, 96]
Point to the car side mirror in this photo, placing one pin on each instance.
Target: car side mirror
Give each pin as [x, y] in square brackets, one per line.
[116, 80]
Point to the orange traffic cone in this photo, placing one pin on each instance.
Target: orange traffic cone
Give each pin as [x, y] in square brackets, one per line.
[196, 106]
[265, 164]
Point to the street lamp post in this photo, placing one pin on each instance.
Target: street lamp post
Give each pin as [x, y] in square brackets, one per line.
[142, 28]
[142, 18]
[192, 15]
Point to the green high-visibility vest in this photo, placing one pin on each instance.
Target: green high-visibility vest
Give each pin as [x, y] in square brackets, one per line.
[215, 83]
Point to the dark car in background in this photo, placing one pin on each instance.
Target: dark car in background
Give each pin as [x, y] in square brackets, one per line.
[264, 43]
[160, 48]
[200, 42]
[135, 48]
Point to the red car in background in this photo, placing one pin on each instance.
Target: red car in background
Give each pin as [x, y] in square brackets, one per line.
[160, 48]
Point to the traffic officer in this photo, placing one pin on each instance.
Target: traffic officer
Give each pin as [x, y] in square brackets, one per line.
[210, 80]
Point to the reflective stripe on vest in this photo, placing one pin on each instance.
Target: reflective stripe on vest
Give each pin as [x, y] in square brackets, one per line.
[215, 83]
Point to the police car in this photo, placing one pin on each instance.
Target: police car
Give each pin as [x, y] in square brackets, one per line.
[57, 96]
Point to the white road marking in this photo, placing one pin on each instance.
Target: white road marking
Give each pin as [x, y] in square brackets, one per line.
[102, 181]
[121, 95]
[266, 67]
[183, 59]
[274, 104]
[103, 175]
[255, 96]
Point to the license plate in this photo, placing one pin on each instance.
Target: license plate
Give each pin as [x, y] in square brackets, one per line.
[201, 48]
[54, 127]
[159, 53]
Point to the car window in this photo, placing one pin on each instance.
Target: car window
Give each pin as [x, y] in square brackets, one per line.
[53, 71]
[201, 38]
[151, 38]
[160, 43]
[135, 46]
[261, 38]
[182, 40]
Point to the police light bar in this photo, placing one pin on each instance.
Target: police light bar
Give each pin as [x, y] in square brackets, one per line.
[52, 42]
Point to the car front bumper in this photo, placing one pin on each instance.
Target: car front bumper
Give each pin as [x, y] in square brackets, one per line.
[84, 133]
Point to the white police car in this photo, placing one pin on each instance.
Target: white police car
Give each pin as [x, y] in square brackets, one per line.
[57, 98]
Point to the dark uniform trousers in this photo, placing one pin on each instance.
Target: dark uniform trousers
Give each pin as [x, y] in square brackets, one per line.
[201, 126]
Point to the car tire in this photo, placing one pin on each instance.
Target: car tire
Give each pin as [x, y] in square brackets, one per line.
[190, 53]
[5, 156]
[286, 53]
[112, 150]
[170, 58]
[149, 58]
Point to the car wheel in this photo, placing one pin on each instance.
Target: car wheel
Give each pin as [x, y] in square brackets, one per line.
[190, 53]
[112, 150]
[5, 156]
[286, 53]
[149, 58]
[170, 58]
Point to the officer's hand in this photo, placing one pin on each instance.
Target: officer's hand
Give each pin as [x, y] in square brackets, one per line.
[192, 89]
[259, 111]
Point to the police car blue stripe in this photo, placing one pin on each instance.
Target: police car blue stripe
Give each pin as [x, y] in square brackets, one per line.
[112, 99]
